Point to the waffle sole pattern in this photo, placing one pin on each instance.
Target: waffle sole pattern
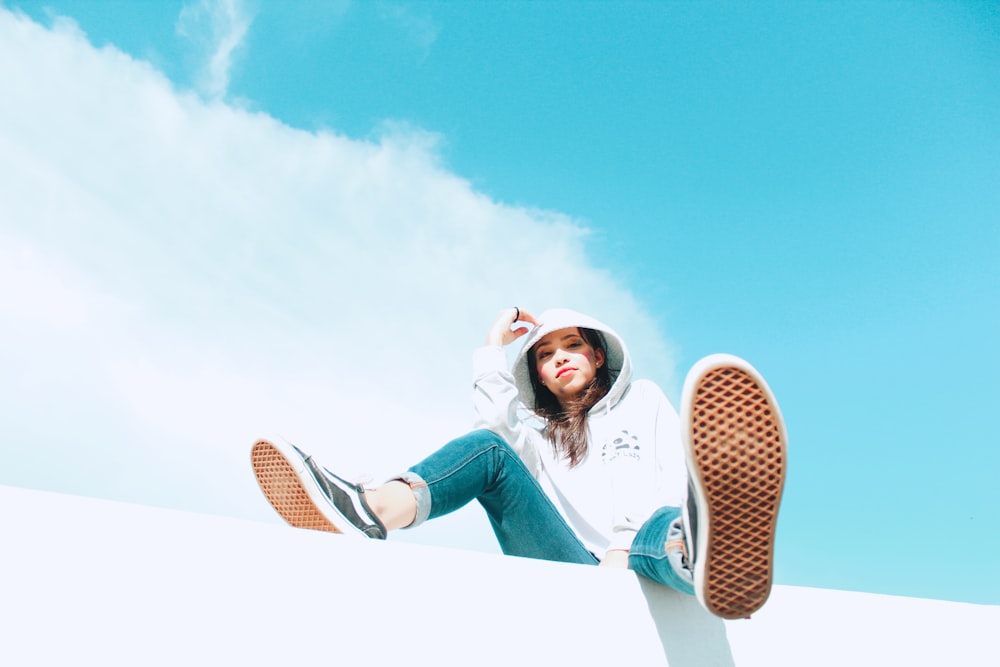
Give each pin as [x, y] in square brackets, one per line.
[737, 457]
[284, 489]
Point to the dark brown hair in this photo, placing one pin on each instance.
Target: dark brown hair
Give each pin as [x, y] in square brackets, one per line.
[566, 425]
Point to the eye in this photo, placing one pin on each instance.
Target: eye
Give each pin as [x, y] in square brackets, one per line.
[544, 354]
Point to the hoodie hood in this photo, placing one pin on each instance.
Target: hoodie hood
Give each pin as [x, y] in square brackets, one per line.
[617, 358]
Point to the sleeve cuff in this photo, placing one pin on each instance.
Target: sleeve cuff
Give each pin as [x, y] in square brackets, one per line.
[488, 359]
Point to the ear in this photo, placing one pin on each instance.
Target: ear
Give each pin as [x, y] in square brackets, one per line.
[599, 357]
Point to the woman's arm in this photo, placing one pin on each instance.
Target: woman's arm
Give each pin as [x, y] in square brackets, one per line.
[495, 395]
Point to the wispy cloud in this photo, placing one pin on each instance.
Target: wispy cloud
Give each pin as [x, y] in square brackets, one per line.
[216, 29]
[181, 276]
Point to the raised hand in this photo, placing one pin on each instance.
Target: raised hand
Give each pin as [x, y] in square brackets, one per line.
[503, 331]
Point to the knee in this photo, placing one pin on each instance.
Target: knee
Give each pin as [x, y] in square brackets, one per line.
[486, 439]
[483, 442]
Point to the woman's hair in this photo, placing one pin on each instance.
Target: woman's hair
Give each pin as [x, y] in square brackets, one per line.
[567, 424]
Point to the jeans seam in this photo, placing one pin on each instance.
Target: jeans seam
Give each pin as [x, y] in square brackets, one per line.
[453, 470]
[510, 455]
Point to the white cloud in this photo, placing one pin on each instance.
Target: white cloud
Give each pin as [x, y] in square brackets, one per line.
[181, 276]
[216, 29]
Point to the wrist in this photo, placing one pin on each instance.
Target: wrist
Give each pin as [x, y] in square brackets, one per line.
[615, 558]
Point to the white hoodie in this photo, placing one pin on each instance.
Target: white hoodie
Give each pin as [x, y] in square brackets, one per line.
[634, 462]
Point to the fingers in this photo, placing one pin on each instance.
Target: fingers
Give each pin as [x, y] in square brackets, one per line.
[502, 333]
[515, 334]
[525, 316]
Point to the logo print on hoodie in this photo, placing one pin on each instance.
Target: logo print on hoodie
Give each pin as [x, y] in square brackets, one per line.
[624, 445]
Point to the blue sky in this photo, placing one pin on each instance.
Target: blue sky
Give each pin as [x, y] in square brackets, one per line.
[257, 203]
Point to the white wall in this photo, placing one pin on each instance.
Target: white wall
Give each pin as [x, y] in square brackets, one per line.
[86, 581]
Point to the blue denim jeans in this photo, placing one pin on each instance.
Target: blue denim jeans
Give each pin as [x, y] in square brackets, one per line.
[482, 466]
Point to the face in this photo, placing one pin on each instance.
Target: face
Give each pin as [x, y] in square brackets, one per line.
[566, 363]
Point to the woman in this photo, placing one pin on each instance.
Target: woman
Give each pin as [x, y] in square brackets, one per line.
[575, 461]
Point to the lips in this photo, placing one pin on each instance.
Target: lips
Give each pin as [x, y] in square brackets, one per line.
[563, 371]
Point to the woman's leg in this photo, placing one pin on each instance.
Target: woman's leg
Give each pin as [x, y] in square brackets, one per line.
[659, 551]
[478, 466]
[394, 503]
[482, 466]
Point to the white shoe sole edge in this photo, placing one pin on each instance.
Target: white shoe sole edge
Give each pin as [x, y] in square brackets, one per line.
[735, 446]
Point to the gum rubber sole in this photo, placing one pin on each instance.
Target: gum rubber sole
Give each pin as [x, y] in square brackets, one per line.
[737, 460]
[284, 489]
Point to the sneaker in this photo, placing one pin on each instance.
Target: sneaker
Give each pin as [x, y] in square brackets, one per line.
[309, 496]
[736, 450]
